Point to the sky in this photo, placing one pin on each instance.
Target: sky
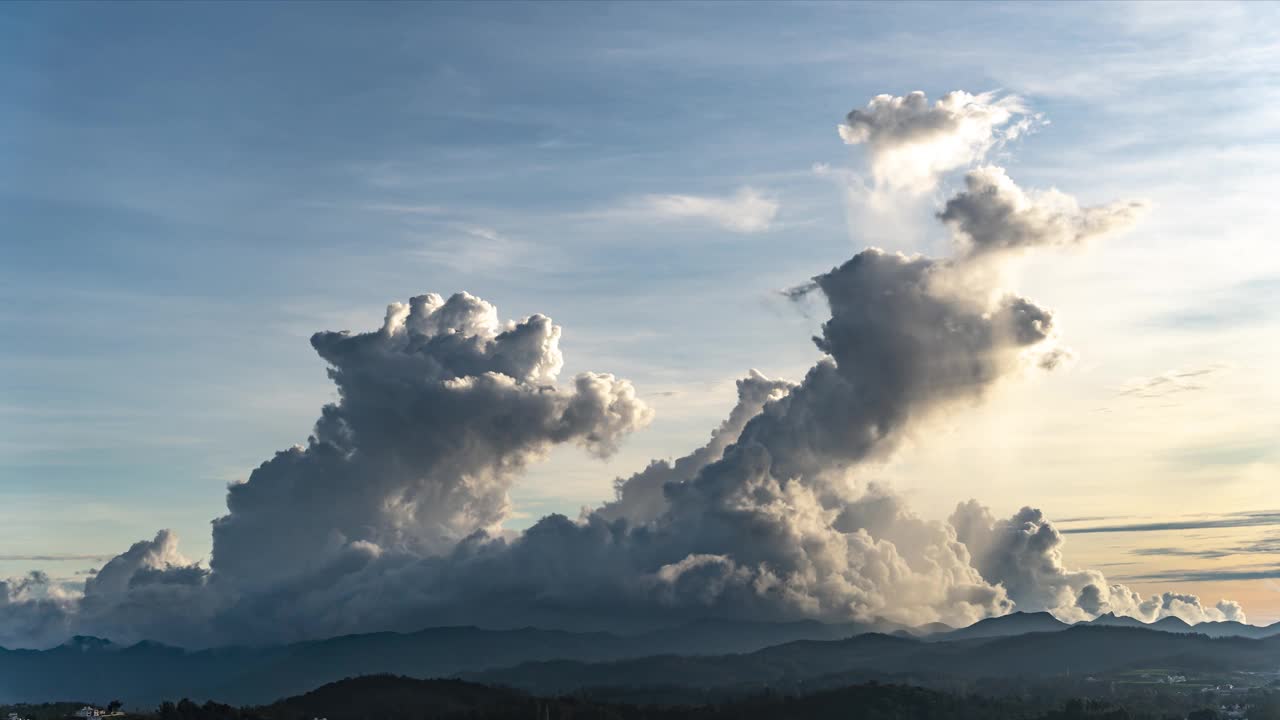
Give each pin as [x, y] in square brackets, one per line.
[188, 192]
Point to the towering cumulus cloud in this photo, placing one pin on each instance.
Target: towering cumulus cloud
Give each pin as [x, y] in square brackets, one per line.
[390, 516]
[439, 410]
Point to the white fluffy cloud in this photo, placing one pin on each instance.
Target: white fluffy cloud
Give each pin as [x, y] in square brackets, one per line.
[144, 559]
[1024, 555]
[912, 142]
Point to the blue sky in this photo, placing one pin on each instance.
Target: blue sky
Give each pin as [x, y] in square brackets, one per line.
[188, 191]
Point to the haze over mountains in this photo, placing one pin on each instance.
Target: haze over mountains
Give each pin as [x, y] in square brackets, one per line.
[700, 655]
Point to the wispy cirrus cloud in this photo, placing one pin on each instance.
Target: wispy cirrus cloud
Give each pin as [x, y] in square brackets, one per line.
[404, 209]
[1262, 546]
[1170, 382]
[1232, 520]
[1212, 575]
[473, 248]
[1180, 552]
[56, 557]
[748, 210]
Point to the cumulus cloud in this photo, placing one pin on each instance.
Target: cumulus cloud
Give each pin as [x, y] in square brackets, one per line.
[439, 411]
[150, 591]
[993, 214]
[746, 211]
[33, 611]
[641, 499]
[766, 521]
[146, 561]
[911, 142]
[779, 512]
[389, 516]
[1023, 554]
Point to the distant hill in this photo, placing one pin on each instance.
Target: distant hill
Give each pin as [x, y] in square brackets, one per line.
[398, 698]
[1233, 629]
[1018, 623]
[1168, 624]
[793, 666]
[388, 696]
[783, 666]
[1113, 620]
[1227, 628]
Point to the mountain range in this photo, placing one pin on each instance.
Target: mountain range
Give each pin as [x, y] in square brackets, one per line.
[704, 654]
[806, 665]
